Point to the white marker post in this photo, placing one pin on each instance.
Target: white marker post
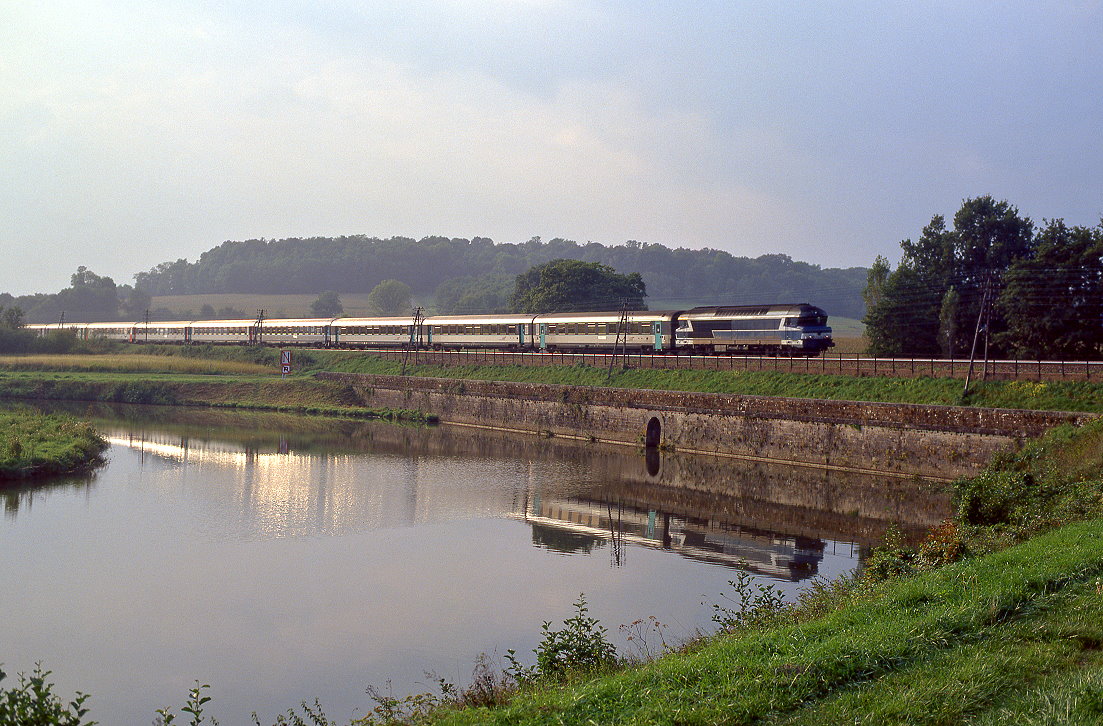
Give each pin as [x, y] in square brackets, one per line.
[285, 363]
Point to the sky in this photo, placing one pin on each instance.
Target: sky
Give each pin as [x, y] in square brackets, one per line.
[134, 133]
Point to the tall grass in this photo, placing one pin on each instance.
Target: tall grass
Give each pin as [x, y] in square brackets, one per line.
[133, 363]
[33, 444]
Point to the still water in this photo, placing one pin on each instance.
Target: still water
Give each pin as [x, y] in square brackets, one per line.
[280, 558]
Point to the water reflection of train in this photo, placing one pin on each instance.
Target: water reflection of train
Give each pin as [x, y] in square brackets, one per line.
[573, 524]
[281, 491]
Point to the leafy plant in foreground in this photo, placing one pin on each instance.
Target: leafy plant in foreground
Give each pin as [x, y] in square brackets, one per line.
[194, 706]
[33, 703]
[580, 646]
[755, 604]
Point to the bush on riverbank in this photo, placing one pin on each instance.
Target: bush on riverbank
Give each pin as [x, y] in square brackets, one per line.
[33, 444]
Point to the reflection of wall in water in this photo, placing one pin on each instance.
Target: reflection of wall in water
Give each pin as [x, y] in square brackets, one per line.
[290, 494]
[325, 495]
[578, 520]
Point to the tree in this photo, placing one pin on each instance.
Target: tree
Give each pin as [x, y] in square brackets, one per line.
[358, 263]
[948, 322]
[876, 278]
[990, 237]
[390, 297]
[89, 298]
[11, 317]
[1053, 300]
[903, 320]
[137, 302]
[468, 296]
[328, 305]
[566, 285]
[908, 317]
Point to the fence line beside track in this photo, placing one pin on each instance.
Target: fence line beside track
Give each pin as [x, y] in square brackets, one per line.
[849, 365]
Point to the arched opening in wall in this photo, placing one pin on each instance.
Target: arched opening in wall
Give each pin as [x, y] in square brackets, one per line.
[654, 434]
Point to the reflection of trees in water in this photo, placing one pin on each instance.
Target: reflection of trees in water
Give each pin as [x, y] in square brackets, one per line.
[554, 538]
[21, 496]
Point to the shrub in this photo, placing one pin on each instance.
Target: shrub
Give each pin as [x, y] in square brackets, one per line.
[580, 646]
[33, 703]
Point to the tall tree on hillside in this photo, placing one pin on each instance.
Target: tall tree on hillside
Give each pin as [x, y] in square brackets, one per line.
[11, 317]
[565, 285]
[1053, 300]
[328, 305]
[136, 302]
[90, 297]
[390, 297]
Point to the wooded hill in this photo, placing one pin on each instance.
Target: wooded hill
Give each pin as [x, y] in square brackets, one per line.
[358, 263]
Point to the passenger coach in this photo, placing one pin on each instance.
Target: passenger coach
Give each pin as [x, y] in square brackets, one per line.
[772, 329]
[645, 330]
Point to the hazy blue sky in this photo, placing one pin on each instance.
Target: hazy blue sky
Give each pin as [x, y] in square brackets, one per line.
[132, 133]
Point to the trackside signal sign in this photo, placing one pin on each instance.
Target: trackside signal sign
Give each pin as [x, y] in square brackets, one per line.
[285, 362]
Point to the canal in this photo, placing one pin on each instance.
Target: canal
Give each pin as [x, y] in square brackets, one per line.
[283, 558]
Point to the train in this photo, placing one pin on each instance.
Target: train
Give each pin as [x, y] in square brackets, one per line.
[791, 329]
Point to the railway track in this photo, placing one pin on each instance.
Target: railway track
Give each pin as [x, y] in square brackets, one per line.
[1021, 370]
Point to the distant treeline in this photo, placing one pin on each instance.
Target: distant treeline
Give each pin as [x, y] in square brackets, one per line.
[477, 275]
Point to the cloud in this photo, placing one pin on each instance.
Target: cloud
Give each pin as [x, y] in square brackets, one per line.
[141, 161]
[140, 132]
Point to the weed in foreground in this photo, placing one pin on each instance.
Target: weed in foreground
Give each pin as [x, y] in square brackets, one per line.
[580, 646]
[647, 636]
[33, 703]
[755, 604]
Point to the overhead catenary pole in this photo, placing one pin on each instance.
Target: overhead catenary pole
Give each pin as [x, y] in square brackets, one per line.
[414, 339]
[622, 325]
[976, 334]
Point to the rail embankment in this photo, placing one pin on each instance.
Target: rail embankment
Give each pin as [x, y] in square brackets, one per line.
[901, 439]
[827, 364]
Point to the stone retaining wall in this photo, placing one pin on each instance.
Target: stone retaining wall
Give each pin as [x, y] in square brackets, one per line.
[899, 439]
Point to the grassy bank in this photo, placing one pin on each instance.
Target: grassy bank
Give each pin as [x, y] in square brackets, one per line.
[265, 393]
[997, 638]
[34, 445]
[1054, 396]
[262, 363]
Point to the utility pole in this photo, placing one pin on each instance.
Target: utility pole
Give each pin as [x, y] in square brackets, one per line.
[982, 315]
[415, 338]
[259, 338]
[622, 327]
[147, 326]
